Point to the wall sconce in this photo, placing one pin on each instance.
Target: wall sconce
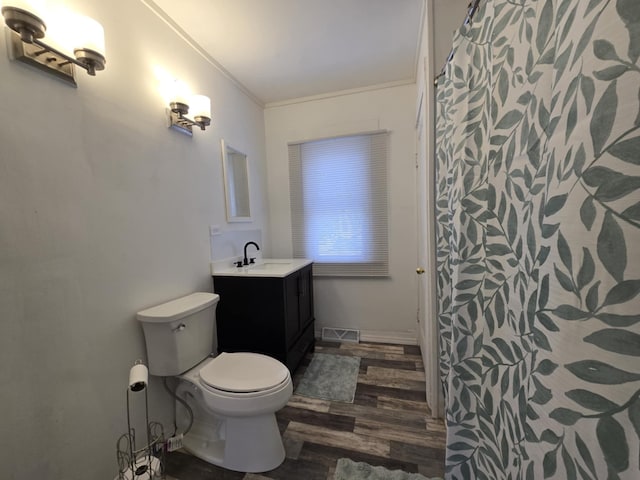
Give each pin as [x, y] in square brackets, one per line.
[25, 19]
[179, 107]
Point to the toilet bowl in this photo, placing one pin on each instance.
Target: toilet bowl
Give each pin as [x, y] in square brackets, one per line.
[242, 392]
[233, 397]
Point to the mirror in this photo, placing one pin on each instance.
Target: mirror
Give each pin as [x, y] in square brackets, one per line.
[236, 184]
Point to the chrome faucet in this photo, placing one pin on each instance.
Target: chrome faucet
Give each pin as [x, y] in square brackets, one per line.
[245, 260]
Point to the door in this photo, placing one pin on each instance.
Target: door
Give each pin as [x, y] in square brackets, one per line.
[426, 265]
[425, 223]
[305, 296]
[292, 307]
[421, 213]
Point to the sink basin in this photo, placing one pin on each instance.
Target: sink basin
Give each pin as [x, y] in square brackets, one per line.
[268, 267]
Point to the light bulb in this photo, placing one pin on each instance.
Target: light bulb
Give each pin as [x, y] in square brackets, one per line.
[90, 35]
[200, 106]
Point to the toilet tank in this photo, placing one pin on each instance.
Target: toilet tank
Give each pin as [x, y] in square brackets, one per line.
[179, 333]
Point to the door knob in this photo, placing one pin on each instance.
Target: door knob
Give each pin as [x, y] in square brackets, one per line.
[419, 271]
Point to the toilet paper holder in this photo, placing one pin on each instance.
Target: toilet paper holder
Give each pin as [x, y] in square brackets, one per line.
[146, 462]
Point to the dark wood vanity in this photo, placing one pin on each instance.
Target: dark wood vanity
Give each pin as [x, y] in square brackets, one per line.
[266, 314]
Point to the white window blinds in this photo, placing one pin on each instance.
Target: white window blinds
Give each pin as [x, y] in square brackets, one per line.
[339, 204]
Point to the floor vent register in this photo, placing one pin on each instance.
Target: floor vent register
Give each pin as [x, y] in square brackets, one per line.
[340, 335]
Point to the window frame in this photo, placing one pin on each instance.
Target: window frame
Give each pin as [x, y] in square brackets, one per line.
[376, 169]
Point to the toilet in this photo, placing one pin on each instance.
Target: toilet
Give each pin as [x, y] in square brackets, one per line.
[233, 396]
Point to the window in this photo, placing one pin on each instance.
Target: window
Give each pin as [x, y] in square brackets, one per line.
[339, 204]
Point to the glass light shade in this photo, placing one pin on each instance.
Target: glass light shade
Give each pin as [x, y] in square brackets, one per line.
[61, 33]
[179, 93]
[200, 106]
[89, 35]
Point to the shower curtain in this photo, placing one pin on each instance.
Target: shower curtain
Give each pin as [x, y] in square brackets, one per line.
[538, 241]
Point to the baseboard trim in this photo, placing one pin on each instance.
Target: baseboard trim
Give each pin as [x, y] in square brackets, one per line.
[376, 336]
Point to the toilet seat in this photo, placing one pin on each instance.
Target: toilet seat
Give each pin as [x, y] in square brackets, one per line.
[243, 374]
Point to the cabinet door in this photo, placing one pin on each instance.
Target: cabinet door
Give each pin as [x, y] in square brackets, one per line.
[249, 315]
[305, 297]
[292, 308]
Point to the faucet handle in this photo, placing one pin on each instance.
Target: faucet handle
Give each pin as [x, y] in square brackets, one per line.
[252, 260]
[238, 263]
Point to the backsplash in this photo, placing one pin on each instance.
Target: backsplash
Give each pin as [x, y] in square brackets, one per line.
[228, 245]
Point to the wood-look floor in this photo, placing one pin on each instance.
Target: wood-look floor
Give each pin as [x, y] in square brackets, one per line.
[389, 423]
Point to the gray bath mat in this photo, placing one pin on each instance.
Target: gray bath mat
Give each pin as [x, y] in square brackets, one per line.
[347, 469]
[330, 377]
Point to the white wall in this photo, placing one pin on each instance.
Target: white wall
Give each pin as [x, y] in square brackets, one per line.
[103, 212]
[384, 309]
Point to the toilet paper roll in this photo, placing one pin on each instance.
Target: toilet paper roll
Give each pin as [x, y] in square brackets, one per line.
[138, 377]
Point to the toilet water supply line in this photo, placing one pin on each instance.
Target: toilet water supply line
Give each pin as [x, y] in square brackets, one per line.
[189, 411]
[138, 380]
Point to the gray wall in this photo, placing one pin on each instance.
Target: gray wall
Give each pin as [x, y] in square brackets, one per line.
[103, 212]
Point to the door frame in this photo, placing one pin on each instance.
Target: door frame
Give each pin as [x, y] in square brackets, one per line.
[425, 199]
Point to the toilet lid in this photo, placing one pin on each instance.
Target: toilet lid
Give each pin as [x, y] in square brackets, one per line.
[243, 372]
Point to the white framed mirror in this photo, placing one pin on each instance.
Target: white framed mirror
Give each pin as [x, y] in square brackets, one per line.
[236, 184]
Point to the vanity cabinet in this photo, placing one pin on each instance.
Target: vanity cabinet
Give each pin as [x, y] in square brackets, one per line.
[269, 315]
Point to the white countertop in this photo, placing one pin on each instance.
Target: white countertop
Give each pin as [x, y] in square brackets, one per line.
[264, 267]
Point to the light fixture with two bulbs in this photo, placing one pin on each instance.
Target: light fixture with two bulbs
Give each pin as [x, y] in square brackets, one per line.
[26, 19]
[181, 103]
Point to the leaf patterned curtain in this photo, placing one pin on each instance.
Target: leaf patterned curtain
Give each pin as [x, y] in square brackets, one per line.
[538, 229]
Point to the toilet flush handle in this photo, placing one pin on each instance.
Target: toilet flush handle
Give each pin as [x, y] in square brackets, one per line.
[180, 328]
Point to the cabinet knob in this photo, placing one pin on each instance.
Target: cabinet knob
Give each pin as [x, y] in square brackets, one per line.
[419, 270]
